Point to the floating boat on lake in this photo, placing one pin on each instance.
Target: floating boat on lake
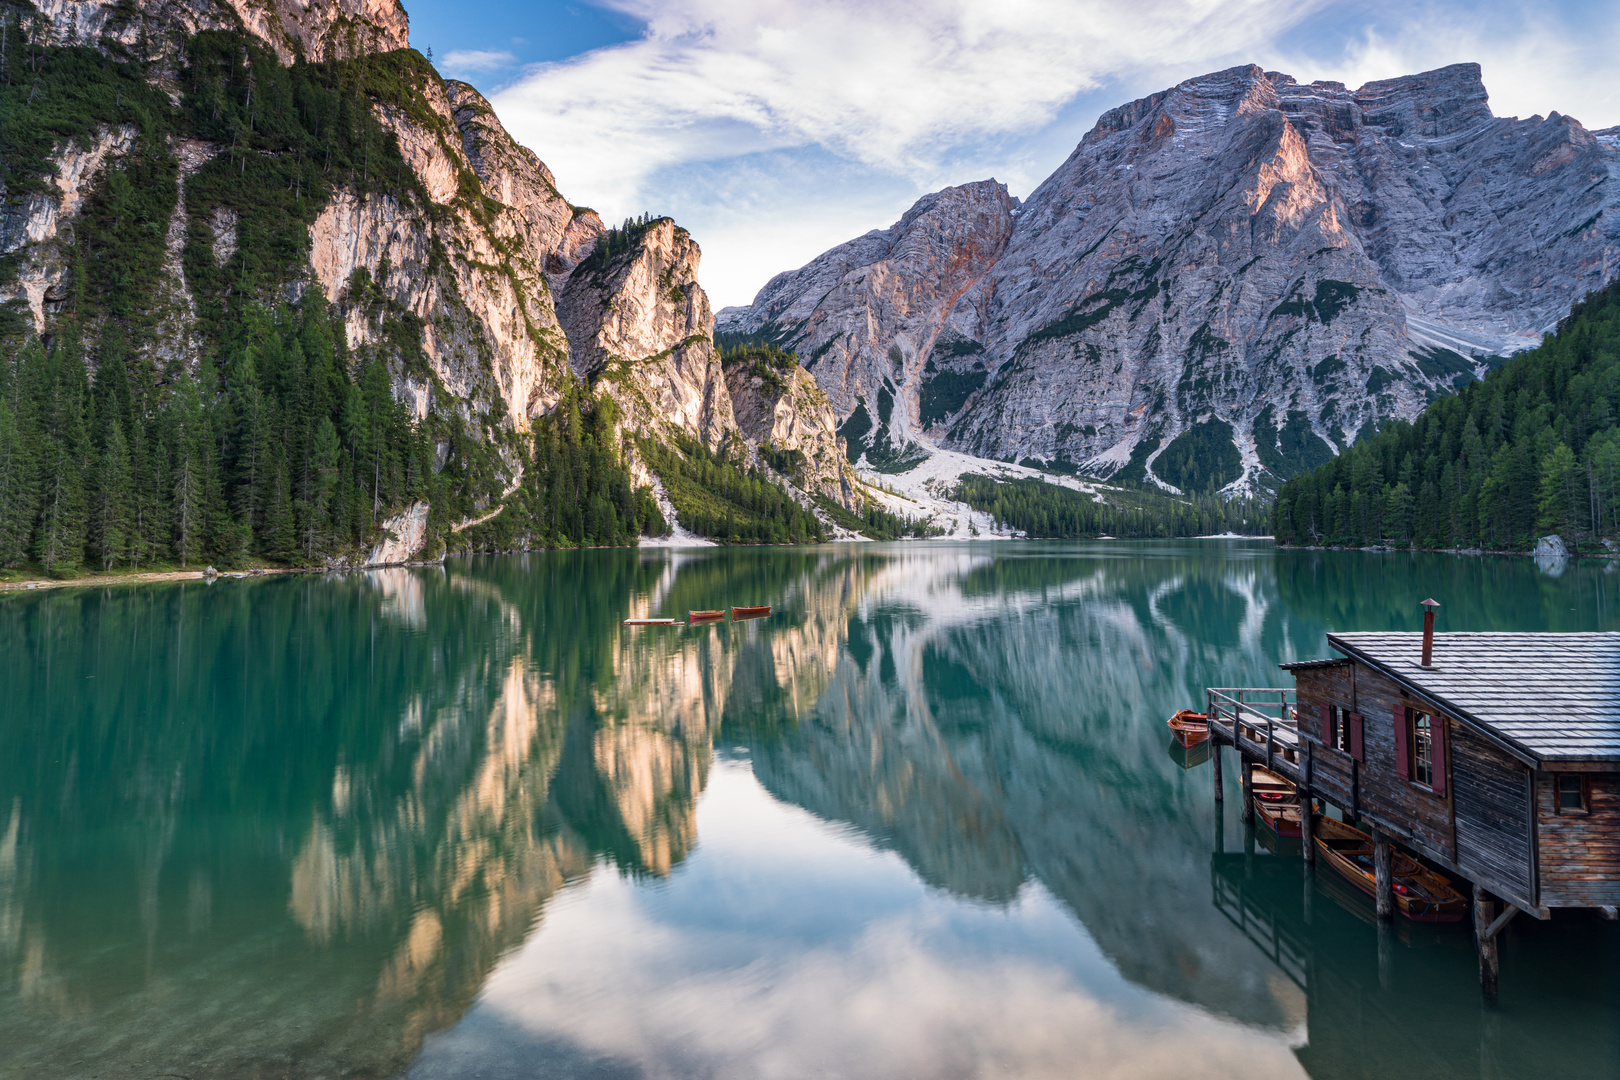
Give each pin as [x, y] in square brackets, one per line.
[1190, 727]
[652, 622]
[757, 612]
[1276, 801]
[1421, 894]
[705, 616]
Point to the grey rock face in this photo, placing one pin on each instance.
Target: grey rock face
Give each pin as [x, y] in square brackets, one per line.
[511, 308]
[1239, 257]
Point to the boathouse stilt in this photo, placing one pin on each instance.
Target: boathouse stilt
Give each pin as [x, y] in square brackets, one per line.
[1490, 962]
[1247, 771]
[1383, 868]
[1215, 756]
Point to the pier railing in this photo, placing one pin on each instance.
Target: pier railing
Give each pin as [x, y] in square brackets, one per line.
[1264, 721]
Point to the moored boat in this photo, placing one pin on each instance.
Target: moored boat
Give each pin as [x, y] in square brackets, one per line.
[759, 611]
[705, 616]
[1276, 801]
[1190, 728]
[652, 622]
[1421, 894]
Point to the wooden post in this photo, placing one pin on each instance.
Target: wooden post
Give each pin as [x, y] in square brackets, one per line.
[1248, 790]
[1383, 866]
[1215, 745]
[1307, 806]
[1490, 963]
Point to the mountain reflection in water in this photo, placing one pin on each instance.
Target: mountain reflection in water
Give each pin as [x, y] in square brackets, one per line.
[920, 821]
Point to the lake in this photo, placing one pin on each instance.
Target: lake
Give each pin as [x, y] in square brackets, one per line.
[924, 821]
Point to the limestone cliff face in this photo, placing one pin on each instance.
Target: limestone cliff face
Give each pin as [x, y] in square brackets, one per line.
[1294, 262]
[866, 316]
[788, 413]
[313, 29]
[486, 292]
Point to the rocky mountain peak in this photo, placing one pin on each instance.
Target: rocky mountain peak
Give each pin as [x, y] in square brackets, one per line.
[314, 29]
[1242, 267]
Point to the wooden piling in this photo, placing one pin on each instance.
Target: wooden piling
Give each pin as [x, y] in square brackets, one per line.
[1383, 866]
[1490, 963]
[1248, 790]
[1215, 755]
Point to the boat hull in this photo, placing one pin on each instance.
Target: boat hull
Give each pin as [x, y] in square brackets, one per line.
[1420, 894]
[1190, 728]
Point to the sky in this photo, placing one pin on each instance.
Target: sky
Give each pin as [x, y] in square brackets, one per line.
[776, 129]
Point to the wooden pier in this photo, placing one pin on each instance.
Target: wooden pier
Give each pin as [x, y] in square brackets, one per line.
[1494, 757]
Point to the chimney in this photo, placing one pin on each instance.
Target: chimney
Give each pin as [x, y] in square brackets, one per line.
[1428, 630]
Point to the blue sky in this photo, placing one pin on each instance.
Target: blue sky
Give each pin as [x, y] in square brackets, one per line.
[774, 129]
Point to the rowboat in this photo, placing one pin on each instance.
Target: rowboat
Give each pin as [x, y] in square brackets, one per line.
[705, 616]
[1276, 801]
[1281, 818]
[1421, 894]
[1189, 727]
[757, 612]
[652, 622]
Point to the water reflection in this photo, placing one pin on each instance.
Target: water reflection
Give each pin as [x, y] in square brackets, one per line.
[298, 826]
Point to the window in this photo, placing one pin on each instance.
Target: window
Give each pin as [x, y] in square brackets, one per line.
[1423, 749]
[1339, 728]
[1571, 793]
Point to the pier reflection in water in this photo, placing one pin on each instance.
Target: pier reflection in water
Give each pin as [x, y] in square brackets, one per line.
[920, 821]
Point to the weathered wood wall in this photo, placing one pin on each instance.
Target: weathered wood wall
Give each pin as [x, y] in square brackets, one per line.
[1493, 817]
[1579, 854]
[1373, 785]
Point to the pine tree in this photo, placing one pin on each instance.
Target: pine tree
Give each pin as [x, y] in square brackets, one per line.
[188, 511]
[113, 511]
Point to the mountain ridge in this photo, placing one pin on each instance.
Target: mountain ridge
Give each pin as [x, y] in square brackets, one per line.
[1239, 257]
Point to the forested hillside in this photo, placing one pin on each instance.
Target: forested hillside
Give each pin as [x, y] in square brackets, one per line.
[1532, 449]
[1046, 510]
[278, 442]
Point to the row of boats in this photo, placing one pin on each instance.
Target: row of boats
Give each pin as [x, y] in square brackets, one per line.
[1421, 893]
[738, 614]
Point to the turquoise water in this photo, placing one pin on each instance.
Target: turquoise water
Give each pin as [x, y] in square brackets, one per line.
[925, 820]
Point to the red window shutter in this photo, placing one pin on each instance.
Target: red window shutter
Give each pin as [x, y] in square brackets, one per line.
[1438, 725]
[1354, 720]
[1327, 725]
[1403, 765]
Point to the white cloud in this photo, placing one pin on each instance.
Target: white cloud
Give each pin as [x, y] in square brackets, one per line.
[933, 92]
[471, 61]
[898, 87]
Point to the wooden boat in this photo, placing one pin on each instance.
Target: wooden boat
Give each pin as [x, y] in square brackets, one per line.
[757, 612]
[1280, 817]
[1421, 894]
[705, 616]
[1190, 727]
[1269, 787]
[1276, 801]
[652, 622]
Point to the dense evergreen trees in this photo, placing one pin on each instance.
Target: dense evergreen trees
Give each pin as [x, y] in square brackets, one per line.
[1047, 510]
[714, 498]
[1533, 449]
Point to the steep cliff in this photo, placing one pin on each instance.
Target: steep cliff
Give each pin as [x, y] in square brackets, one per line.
[1231, 278]
[292, 156]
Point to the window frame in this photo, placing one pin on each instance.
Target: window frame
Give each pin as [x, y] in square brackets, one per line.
[1585, 809]
[1339, 716]
[1420, 740]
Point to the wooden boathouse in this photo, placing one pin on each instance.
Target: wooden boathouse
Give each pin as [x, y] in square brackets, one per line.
[1493, 756]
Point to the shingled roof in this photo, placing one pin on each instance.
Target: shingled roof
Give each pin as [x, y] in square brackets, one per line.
[1553, 697]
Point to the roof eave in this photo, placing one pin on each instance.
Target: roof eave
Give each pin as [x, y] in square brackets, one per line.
[1510, 746]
